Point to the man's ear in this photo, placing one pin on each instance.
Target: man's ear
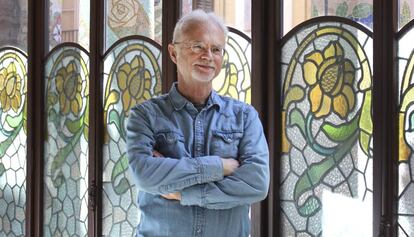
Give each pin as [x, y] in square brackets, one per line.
[172, 52]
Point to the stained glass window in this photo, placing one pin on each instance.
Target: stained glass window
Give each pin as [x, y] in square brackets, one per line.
[13, 135]
[66, 146]
[298, 11]
[326, 178]
[132, 17]
[405, 12]
[406, 135]
[234, 78]
[132, 74]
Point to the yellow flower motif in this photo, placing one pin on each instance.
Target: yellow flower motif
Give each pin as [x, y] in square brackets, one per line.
[331, 78]
[69, 88]
[134, 81]
[10, 88]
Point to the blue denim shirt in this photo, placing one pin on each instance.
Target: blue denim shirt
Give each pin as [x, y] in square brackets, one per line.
[192, 143]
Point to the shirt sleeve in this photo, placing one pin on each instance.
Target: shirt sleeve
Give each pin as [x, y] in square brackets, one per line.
[161, 175]
[248, 184]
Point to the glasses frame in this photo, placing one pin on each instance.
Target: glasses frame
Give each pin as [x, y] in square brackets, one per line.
[201, 47]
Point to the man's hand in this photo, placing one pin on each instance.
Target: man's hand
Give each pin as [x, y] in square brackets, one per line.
[229, 166]
[155, 153]
[172, 196]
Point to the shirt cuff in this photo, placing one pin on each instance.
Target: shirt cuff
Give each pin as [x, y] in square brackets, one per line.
[192, 195]
[211, 168]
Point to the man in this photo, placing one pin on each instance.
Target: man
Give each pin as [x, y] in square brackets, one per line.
[198, 159]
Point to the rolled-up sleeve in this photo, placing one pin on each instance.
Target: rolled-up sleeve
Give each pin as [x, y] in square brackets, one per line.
[248, 184]
[163, 175]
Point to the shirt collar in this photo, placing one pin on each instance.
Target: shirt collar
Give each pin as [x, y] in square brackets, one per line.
[178, 101]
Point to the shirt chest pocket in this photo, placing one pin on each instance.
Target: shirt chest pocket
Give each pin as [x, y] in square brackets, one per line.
[170, 144]
[225, 143]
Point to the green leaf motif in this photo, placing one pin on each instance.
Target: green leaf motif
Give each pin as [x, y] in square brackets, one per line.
[362, 10]
[9, 140]
[14, 122]
[121, 166]
[2, 169]
[295, 93]
[342, 132]
[114, 118]
[54, 117]
[342, 9]
[74, 125]
[296, 118]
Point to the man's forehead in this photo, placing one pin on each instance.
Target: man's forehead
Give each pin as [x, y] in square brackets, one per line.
[200, 32]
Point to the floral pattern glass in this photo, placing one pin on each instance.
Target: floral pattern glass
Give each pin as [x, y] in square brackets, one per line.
[13, 136]
[406, 136]
[132, 74]
[66, 146]
[234, 78]
[326, 179]
[133, 17]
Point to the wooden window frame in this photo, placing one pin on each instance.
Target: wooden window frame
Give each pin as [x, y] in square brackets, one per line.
[267, 32]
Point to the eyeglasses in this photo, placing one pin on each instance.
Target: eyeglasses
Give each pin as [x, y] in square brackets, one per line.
[200, 47]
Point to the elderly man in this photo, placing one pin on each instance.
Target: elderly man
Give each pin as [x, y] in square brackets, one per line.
[198, 159]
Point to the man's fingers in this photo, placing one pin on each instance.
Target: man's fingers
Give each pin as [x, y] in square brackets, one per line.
[156, 154]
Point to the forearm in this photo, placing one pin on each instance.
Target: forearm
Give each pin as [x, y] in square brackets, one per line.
[241, 188]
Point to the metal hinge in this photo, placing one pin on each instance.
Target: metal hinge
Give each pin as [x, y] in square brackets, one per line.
[385, 228]
[92, 196]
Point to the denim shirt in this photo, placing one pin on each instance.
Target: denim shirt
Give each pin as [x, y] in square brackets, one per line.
[192, 143]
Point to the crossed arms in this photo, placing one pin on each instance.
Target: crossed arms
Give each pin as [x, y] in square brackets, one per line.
[208, 181]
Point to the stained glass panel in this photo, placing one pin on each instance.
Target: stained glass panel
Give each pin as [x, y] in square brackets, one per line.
[69, 22]
[133, 17]
[326, 179]
[132, 74]
[298, 11]
[406, 12]
[13, 135]
[406, 135]
[234, 78]
[66, 146]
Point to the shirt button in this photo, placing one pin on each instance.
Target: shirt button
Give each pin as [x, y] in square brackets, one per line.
[199, 231]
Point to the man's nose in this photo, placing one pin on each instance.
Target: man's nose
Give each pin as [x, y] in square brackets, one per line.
[207, 53]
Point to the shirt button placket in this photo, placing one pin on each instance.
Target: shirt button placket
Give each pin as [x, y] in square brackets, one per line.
[199, 137]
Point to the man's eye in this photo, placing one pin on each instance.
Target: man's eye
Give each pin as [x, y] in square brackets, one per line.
[198, 47]
[216, 50]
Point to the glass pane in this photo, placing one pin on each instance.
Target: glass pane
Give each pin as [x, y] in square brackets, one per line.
[235, 13]
[69, 22]
[13, 135]
[66, 146]
[13, 23]
[132, 74]
[234, 78]
[406, 135]
[298, 11]
[133, 17]
[406, 12]
[326, 179]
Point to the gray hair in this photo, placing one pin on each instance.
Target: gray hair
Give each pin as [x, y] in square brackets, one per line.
[197, 16]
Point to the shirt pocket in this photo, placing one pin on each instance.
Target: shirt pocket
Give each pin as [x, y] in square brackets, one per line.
[225, 143]
[170, 144]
